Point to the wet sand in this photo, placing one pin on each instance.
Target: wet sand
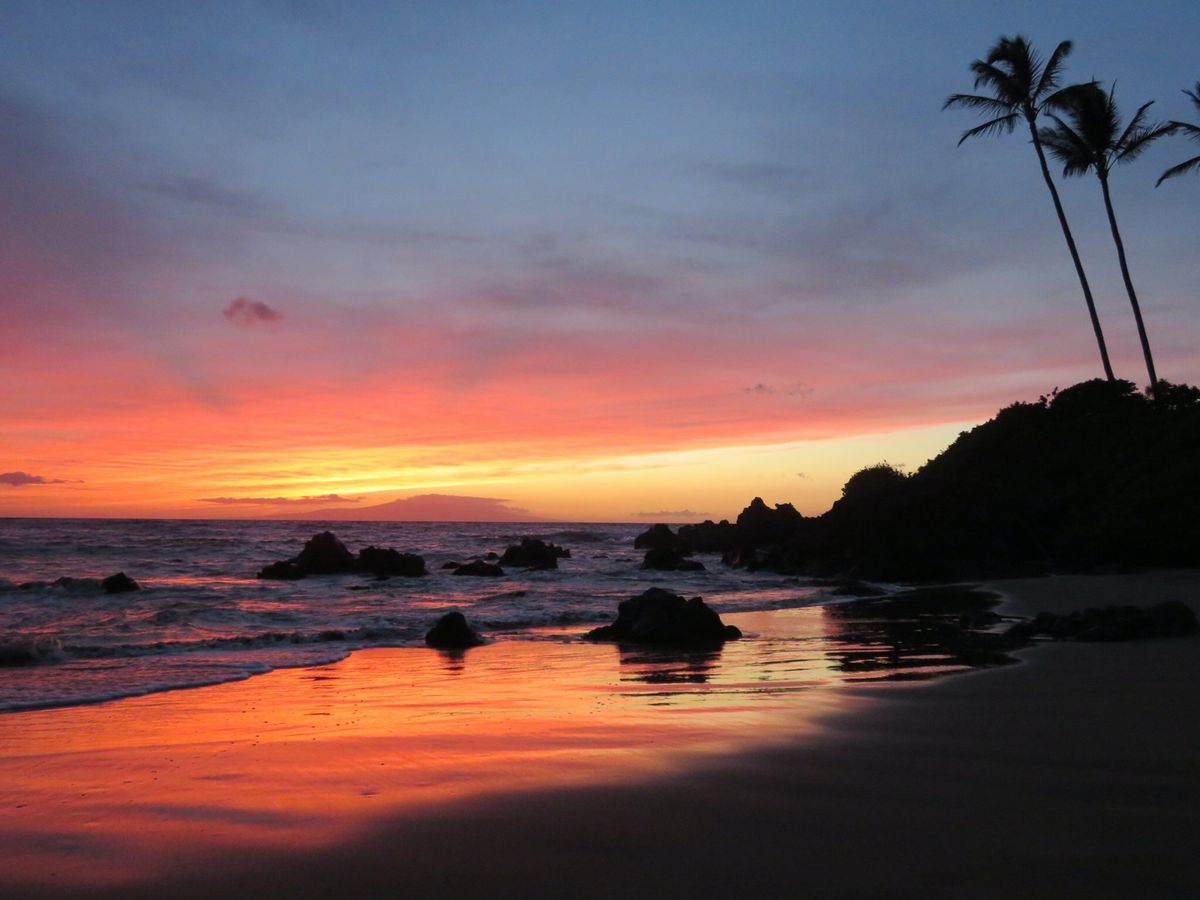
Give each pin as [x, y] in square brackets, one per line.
[1072, 774]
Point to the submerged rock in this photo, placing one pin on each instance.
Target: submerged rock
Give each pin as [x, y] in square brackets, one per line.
[284, 570]
[386, 561]
[667, 559]
[479, 568]
[452, 632]
[532, 553]
[1112, 623]
[119, 584]
[660, 616]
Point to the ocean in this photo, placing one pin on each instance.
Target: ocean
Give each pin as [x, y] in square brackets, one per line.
[201, 616]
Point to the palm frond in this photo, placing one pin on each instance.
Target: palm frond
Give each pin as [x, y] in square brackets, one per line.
[1192, 131]
[1181, 169]
[1135, 145]
[1001, 125]
[1050, 73]
[1003, 83]
[978, 102]
[1068, 147]
[1134, 127]
[1065, 98]
[1194, 96]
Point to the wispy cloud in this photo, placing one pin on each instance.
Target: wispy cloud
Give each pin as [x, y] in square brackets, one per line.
[795, 389]
[20, 479]
[672, 514]
[245, 311]
[280, 501]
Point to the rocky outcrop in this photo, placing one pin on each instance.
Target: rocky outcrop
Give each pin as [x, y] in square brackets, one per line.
[324, 554]
[532, 553]
[657, 537]
[479, 568]
[453, 632]
[709, 536]
[661, 617]
[666, 559]
[119, 584]
[384, 561]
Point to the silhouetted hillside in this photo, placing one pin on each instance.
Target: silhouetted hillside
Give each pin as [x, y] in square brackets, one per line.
[1097, 475]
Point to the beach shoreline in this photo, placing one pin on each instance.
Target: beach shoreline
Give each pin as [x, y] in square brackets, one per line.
[1070, 774]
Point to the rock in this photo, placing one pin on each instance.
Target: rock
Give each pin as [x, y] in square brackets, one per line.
[759, 525]
[660, 616]
[451, 564]
[452, 632]
[1112, 623]
[491, 555]
[284, 570]
[534, 554]
[119, 584]
[324, 554]
[386, 561]
[666, 559]
[709, 536]
[657, 537]
[479, 568]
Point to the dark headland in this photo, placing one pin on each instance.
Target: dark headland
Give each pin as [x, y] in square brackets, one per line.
[1095, 477]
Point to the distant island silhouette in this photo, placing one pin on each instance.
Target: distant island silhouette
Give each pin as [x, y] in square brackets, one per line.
[422, 508]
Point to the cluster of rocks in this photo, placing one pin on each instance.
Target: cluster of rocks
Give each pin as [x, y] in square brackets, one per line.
[666, 551]
[655, 616]
[1111, 623]
[324, 554]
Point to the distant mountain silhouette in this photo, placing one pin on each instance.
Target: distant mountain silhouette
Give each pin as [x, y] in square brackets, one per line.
[423, 508]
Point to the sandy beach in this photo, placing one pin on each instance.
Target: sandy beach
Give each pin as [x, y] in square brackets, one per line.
[1073, 773]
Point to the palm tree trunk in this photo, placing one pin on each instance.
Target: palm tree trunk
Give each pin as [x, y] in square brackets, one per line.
[1133, 300]
[1066, 230]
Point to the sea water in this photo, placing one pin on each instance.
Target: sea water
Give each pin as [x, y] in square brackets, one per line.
[202, 617]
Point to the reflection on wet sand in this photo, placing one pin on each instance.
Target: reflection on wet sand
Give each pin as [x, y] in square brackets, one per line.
[297, 758]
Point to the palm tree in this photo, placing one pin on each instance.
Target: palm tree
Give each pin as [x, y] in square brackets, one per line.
[1091, 139]
[1023, 88]
[1192, 131]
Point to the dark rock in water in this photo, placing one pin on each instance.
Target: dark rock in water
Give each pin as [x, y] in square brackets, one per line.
[451, 564]
[490, 555]
[480, 568]
[386, 561]
[324, 554]
[659, 616]
[1112, 623]
[284, 570]
[657, 537]
[28, 651]
[119, 584]
[666, 559]
[758, 524]
[709, 536]
[452, 632]
[534, 554]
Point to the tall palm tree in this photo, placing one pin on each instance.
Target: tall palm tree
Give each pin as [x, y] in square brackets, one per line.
[1091, 139]
[1023, 87]
[1192, 131]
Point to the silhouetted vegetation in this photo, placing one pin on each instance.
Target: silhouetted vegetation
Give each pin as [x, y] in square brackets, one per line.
[1192, 131]
[1091, 139]
[1022, 89]
[1095, 476]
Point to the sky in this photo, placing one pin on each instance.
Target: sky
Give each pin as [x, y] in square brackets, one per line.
[587, 261]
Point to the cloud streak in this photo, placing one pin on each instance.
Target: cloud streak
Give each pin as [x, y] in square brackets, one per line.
[244, 311]
[21, 479]
[280, 501]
